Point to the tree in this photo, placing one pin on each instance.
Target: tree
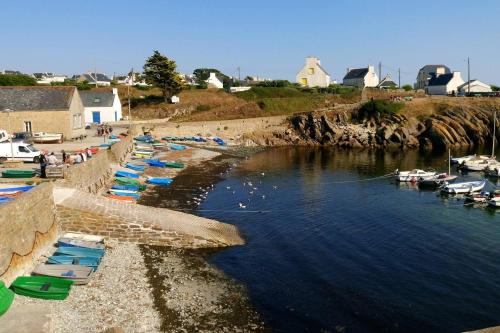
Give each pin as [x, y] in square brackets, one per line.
[17, 80]
[160, 72]
[202, 74]
[407, 87]
[495, 88]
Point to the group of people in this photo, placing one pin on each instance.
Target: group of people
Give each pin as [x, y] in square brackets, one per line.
[50, 160]
[104, 130]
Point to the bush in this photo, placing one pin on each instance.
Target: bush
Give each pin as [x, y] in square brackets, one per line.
[203, 107]
[17, 80]
[378, 108]
[407, 87]
[274, 83]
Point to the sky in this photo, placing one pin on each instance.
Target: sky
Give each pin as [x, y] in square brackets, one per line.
[264, 38]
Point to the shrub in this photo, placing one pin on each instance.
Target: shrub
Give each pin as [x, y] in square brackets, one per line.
[17, 80]
[407, 87]
[203, 107]
[378, 108]
[261, 104]
[274, 83]
[226, 128]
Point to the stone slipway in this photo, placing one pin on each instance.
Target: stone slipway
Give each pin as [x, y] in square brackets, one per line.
[79, 211]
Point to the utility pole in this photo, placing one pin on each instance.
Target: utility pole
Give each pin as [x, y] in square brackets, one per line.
[399, 78]
[95, 74]
[239, 73]
[128, 93]
[468, 75]
[380, 70]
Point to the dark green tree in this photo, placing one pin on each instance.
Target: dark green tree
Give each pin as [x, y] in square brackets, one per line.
[160, 72]
[407, 87]
[17, 80]
[495, 88]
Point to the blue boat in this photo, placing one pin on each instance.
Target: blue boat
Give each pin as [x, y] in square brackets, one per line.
[5, 200]
[126, 174]
[219, 141]
[131, 195]
[126, 187]
[155, 163]
[135, 167]
[17, 188]
[144, 138]
[174, 146]
[198, 139]
[160, 181]
[77, 251]
[70, 260]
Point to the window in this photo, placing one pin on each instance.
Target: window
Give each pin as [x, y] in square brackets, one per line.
[32, 148]
[97, 100]
[77, 121]
[310, 71]
[23, 149]
[27, 126]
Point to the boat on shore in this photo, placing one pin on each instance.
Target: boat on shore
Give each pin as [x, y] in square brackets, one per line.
[127, 181]
[136, 188]
[91, 262]
[159, 181]
[77, 273]
[43, 137]
[69, 242]
[84, 237]
[413, 175]
[126, 174]
[12, 173]
[464, 187]
[44, 287]
[6, 298]
[121, 198]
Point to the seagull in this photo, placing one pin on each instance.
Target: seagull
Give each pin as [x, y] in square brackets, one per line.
[228, 187]
[255, 188]
[234, 192]
[275, 187]
[242, 206]
[263, 196]
[251, 192]
[250, 184]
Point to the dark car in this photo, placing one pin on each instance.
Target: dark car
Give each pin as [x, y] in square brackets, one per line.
[23, 136]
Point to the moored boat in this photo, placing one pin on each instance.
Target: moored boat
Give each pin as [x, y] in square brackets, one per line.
[460, 160]
[44, 287]
[413, 175]
[464, 187]
[436, 180]
[494, 202]
[77, 273]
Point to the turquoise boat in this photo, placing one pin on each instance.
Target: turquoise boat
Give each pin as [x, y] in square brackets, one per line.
[72, 260]
[126, 174]
[78, 251]
[159, 181]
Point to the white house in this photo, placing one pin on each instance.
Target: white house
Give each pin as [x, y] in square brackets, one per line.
[427, 72]
[101, 106]
[312, 74]
[214, 82]
[48, 78]
[361, 77]
[387, 83]
[476, 86]
[444, 84]
[91, 78]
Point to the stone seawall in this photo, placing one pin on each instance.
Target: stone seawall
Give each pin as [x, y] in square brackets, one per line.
[83, 212]
[92, 175]
[29, 225]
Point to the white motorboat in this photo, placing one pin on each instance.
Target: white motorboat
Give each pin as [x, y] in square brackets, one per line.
[43, 137]
[463, 159]
[479, 164]
[464, 187]
[413, 175]
[436, 180]
[494, 202]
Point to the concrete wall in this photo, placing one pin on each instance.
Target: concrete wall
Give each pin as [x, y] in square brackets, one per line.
[29, 225]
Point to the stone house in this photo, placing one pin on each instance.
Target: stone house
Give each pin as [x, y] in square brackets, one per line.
[214, 82]
[444, 84]
[312, 74]
[427, 72]
[476, 86]
[42, 109]
[101, 79]
[361, 77]
[101, 106]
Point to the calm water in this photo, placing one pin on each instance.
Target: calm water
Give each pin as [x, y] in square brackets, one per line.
[328, 254]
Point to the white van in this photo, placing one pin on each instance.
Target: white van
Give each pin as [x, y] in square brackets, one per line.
[22, 151]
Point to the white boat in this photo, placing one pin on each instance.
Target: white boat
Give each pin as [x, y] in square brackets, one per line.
[464, 187]
[463, 159]
[43, 137]
[113, 191]
[84, 237]
[413, 175]
[494, 202]
[479, 164]
[436, 180]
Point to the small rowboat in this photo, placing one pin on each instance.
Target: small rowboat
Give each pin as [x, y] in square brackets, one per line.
[44, 287]
[77, 273]
[5, 200]
[464, 187]
[219, 141]
[155, 163]
[125, 193]
[174, 146]
[126, 174]
[494, 202]
[436, 180]
[176, 165]
[18, 173]
[84, 237]
[144, 138]
[77, 251]
[91, 262]
[127, 181]
[17, 188]
[159, 181]
[460, 160]
[68, 242]
[6, 298]
[10, 194]
[135, 167]
[121, 198]
[129, 187]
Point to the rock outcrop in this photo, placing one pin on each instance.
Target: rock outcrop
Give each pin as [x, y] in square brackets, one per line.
[454, 127]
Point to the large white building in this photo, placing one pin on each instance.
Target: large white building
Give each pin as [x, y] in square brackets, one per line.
[444, 84]
[361, 77]
[476, 86]
[312, 74]
[101, 106]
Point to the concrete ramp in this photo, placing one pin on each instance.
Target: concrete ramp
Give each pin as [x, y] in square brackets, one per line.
[83, 212]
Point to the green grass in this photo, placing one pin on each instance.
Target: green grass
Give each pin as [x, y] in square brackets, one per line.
[257, 93]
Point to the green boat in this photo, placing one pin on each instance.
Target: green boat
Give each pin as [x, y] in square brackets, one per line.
[6, 298]
[18, 173]
[127, 181]
[176, 165]
[44, 287]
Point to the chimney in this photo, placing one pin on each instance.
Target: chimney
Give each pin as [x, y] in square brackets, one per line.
[115, 91]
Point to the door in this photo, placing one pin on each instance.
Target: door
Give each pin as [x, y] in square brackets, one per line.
[27, 126]
[116, 116]
[96, 117]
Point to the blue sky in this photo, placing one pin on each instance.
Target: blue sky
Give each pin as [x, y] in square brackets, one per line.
[265, 38]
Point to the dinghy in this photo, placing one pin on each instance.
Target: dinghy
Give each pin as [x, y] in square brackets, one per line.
[219, 141]
[91, 262]
[174, 146]
[494, 202]
[121, 198]
[126, 174]
[144, 138]
[6, 298]
[127, 181]
[16, 188]
[129, 187]
[77, 273]
[175, 165]
[413, 175]
[68, 242]
[84, 237]
[155, 163]
[463, 159]
[135, 167]
[77, 251]
[464, 187]
[478, 164]
[159, 181]
[125, 193]
[436, 180]
[18, 173]
[44, 287]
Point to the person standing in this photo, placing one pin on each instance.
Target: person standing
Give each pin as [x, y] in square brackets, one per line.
[64, 155]
[43, 165]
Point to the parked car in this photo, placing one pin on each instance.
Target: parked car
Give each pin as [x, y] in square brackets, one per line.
[23, 136]
[22, 151]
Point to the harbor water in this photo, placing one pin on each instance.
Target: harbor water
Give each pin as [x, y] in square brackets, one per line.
[336, 245]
